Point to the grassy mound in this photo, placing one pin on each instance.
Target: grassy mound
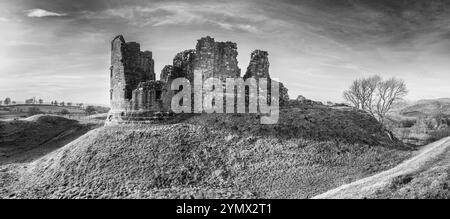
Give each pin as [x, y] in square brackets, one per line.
[215, 156]
[318, 123]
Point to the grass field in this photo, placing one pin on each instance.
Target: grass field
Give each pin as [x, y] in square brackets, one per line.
[21, 111]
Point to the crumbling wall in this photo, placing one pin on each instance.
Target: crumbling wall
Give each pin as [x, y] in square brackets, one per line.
[259, 65]
[151, 96]
[259, 68]
[216, 59]
[166, 72]
[139, 66]
[129, 67]
[135, 91]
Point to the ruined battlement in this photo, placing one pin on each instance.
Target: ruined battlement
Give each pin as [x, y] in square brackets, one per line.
[135, 92]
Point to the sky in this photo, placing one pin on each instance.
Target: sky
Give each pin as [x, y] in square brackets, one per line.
[60, 49]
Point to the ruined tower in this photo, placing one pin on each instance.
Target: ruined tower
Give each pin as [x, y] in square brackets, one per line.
[259, 65]
[137, 96]
[129, 67]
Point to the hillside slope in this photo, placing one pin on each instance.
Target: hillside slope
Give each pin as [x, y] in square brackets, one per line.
[426, 175]
[25, 139]
[311, 150]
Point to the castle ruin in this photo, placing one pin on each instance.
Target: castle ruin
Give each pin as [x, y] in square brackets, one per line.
[136, 94]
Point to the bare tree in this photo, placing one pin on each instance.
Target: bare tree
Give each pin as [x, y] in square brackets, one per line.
[388, 92]
[375, 95]
[361, 93]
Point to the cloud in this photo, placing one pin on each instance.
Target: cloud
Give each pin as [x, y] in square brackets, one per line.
[326, 43]
[226, 16]
[37, 12]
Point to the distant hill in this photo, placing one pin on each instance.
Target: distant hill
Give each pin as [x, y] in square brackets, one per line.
[21, 110]
[421, 108]
[427, 108]
[311, 150]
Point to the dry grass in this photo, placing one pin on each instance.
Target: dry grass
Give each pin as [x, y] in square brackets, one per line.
[426, 175]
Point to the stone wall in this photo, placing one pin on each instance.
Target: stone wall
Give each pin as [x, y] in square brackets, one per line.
[216, 59]
[151, 96]
[183, 65]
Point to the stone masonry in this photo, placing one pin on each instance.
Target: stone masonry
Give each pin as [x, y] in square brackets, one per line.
[136, 92]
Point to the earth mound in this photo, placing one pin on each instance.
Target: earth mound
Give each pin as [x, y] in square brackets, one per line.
[310, 151]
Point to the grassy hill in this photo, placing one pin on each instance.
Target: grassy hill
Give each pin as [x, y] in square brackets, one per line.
[311, 150]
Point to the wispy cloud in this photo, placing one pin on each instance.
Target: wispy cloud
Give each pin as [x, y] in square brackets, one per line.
[37, 12]
[220, 14]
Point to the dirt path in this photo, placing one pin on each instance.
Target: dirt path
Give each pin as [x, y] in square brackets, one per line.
[366, 187]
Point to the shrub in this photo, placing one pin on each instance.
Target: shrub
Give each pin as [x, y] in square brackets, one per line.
[34, 111]
[90, 110]
[439, 134]
[407, 123]
[64, 112]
